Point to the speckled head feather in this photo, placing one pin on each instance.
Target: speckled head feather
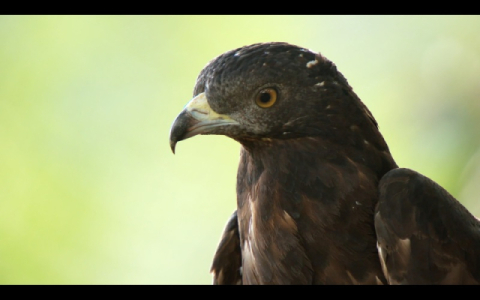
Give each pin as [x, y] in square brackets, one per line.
[304, 80]
[264, 63]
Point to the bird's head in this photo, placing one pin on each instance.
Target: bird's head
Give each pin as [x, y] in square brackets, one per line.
[270, 91]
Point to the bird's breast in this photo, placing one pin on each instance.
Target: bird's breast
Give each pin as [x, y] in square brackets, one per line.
[271, 247]
[306, 221]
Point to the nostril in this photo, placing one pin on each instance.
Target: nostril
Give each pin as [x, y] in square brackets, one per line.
[199, 111]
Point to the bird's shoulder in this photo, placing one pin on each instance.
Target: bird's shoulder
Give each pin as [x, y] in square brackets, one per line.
[425, 236]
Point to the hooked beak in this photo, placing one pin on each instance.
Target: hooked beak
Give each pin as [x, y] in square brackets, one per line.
[197, 118]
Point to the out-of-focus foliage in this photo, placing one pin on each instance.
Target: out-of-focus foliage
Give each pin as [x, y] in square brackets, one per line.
[89, 190]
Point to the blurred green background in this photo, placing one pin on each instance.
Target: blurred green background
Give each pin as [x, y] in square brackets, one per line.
[90, 192]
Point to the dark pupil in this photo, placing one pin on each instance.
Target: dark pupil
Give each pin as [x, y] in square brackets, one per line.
[265, 97]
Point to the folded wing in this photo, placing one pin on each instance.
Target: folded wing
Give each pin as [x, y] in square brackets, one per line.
[425, 236]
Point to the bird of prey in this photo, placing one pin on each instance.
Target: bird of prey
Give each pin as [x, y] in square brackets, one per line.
[320, 200]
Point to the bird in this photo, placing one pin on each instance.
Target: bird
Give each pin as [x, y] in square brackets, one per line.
[320, 199]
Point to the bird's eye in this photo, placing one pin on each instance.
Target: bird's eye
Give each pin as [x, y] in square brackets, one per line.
[266, 98]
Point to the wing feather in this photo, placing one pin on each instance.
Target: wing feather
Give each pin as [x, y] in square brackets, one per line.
[425, 236]
[227, 262]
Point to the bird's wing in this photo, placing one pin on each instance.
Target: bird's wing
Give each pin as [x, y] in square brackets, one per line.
[425, 236]
[227, 262]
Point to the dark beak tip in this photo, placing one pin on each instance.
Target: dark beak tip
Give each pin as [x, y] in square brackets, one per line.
[179, 129]
[172, 146]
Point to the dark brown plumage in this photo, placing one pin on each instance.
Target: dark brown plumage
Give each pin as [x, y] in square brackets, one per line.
[313, 167]
[425, 236]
